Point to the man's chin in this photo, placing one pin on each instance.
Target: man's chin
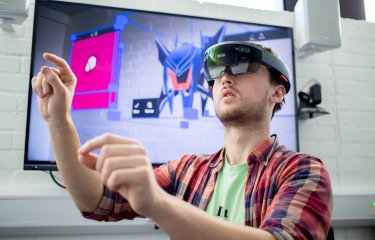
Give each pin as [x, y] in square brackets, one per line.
[239, 118]
[232, 119]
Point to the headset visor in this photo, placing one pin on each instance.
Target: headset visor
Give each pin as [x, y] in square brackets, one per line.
[236, 58]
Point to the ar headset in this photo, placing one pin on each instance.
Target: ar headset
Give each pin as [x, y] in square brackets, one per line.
[236, 58]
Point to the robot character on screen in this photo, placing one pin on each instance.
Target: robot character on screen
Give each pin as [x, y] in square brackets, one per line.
[182, 75]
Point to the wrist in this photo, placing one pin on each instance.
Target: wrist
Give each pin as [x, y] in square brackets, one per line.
[160, 206]
[60, 123]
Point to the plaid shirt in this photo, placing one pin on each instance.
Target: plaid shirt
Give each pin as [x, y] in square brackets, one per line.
[287, 193]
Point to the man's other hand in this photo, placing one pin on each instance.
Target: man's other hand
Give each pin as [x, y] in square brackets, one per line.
[124, 167]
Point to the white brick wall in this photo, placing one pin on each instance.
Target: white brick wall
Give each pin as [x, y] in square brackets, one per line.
[344, 140]
[15, 51]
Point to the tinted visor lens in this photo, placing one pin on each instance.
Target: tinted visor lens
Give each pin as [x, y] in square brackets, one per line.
[234, 59]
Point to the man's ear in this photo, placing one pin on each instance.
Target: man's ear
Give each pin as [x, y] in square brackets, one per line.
[278, 94]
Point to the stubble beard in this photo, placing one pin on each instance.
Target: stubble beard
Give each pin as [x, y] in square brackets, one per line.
[244, 116]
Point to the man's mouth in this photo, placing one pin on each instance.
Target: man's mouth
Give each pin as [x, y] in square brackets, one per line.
[227, 93]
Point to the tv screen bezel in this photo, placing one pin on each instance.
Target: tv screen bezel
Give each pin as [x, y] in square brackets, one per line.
[52, 165]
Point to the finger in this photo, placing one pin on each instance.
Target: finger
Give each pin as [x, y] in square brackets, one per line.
[89, 160]
[33, 82]
[60, 63]
[114, 163]
[57, 71]
[114, 150]
[38, 85]
[53, 80]
[103, 139]
[123, 177]
[46, 87]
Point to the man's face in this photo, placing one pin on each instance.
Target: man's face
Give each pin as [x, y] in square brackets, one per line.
[243, 99]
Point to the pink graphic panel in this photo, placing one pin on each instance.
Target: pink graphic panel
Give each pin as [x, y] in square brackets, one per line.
[92, 62]
[90, 101]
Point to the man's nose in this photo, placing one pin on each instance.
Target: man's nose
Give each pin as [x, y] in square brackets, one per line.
[227, 79]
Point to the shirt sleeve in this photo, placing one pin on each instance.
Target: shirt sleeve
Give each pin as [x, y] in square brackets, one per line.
[113, 207]
[302, 207]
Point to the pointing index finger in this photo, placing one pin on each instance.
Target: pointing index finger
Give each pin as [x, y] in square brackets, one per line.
[60, 63]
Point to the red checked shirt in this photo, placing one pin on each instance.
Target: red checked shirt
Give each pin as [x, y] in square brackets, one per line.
[287, 193]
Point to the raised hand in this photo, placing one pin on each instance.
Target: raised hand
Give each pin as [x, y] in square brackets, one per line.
[55, 89]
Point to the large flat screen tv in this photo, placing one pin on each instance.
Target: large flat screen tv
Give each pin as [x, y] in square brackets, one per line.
[140, 75]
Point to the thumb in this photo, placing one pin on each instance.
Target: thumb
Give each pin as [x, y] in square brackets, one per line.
[53, 79]
[88, 159]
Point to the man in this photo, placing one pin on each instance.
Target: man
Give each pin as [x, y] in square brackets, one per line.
[253, 188]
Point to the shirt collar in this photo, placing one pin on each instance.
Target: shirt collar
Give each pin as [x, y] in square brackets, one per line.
[263, 150]
[259, 153]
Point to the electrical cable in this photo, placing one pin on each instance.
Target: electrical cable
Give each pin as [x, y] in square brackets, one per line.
[54, 179]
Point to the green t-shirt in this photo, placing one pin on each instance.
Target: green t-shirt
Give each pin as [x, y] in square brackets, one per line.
[228, 199]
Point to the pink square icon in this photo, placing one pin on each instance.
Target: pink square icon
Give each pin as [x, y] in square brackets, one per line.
[93, 61]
